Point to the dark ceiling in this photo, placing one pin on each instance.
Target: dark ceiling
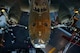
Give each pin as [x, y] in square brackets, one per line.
[68, 3]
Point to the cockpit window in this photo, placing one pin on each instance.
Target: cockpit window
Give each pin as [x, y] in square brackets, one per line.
[39, 7]
[36, 9]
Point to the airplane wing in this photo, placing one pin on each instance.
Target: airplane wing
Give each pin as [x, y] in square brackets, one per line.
[25, 5]
[64, 16]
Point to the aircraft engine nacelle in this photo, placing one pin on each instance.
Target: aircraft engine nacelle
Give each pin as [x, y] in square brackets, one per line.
[64, 16]
[14, 14]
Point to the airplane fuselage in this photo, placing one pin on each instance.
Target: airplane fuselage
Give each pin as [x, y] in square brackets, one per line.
[39, 23]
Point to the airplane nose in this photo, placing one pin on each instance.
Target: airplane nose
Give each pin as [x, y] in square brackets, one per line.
[38, 43]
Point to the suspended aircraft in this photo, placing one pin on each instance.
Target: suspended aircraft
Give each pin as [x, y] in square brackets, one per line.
[40, 24]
